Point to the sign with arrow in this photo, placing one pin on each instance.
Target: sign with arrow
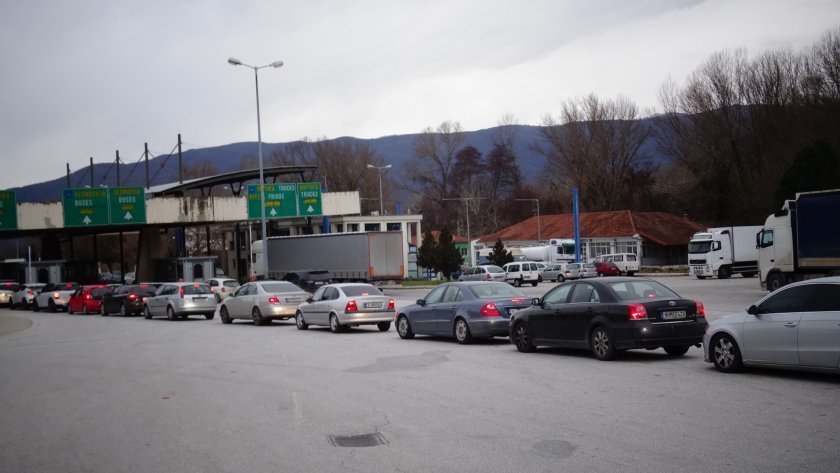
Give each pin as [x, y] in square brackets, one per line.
[279, 201]
[8, 210]
[85, 207]
[309, 199]
[128, 205]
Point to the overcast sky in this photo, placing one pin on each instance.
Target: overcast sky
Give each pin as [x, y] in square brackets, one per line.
[86, 78]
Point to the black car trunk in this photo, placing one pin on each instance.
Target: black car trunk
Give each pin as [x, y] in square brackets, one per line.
[670, 310]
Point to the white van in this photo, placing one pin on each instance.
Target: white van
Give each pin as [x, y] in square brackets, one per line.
[521, 272]
[628, 263]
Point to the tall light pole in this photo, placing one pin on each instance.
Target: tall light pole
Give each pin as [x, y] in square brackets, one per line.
[237, 62]
[539, 236]
[467, 208]
[380, 169]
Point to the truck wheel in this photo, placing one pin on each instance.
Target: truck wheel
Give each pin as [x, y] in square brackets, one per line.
[724, 272]
[701, 277]
[775, 281]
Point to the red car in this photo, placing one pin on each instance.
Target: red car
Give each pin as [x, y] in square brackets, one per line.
[87, 299]
[607, 268]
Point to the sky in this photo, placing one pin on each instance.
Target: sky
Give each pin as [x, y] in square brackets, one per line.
[85, 78]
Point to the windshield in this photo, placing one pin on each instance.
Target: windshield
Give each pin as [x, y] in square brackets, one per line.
[699, 246]
[361, 290]
[280, 287]
[635, 290]
[494, 269]
[495, 291]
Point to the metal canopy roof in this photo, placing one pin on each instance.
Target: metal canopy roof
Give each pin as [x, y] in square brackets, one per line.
[229, 179]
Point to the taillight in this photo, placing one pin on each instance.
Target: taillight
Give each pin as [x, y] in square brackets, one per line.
[181, 292]
[30, 293]
[490, 310]
[701, 310]
[351, 307]
[132, 297]
[273, 300]
[390, 303]
[638, 312]
[56, 295]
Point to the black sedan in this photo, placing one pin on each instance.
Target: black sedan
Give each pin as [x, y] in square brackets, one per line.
[609, 315]
[126, 300]
[464, 310]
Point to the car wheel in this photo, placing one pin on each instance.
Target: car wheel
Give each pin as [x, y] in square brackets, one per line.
[631, 273]
[775, 281]
[170, 313]
[35, 306]
[224, 315]
[103, 311]
[84, 309]
[51, 306]
[725, 354]
[534, 283]
[335, 327]
[404, 328]
[299, 322]
[146, 313]
[539, 278]
[123, 312]
[522, 339]
[209, 315]
[677, 350]
[602, 346]
[724, 272]
[257, 317]
[517, 282]
[383, 326]
[68, 310]
[462, 332]
[560, 278]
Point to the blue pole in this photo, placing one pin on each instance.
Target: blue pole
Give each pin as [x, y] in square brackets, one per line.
[576, 211]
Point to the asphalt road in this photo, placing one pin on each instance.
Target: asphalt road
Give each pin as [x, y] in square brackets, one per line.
[94, 394]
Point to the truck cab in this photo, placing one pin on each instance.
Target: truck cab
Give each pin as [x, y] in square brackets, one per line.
[723, 252]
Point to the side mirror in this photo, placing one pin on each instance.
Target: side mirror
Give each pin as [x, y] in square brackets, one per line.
[753, 310]
[536, 301]
[421, 302]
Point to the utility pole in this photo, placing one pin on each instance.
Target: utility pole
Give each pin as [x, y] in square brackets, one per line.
[180, 162]
[117, 164]
[467, 209]
[91, 172]
[146, 154]
[68, 175]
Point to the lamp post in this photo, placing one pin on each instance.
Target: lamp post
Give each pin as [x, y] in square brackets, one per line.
[380, 169]
[467, 209]
[539, 236]
[237, 62]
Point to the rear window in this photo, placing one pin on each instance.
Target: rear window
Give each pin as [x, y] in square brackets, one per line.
[573, 266]
[361, 290]
[9, 286]
[100, 291]
[631, 257]
[196, 289]
[495, 291]
[280, 287]
[494, 269]
[230, 283]
[634, 290]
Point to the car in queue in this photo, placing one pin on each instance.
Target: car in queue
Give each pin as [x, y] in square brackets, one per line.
[462, 310]
[484, 272]
[553, 272]
[180, 300]
[608, 316]
[87, 299]
[222, 287]
[262, 302]
[606, 268]
[346, 305]
[7, 290]
[588, 270]
[522, 272]
[23, 297]
[54, 296]
[628, 263]
[794, 327]
[127, 300]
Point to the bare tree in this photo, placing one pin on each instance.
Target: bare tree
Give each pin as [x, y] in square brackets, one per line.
[431, 170]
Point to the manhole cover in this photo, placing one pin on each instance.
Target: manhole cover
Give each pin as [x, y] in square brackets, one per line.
[363, 440]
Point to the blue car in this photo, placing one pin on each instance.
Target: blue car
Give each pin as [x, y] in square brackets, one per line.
[463, 310]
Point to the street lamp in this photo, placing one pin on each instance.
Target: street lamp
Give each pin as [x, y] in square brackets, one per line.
[380, 169]
[237, 62]
[467, 208]
[539, 236]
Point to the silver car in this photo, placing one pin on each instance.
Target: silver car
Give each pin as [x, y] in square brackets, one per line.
[485, 272]
[795, 327]
[588, 270]
[262, 302]
[553, 272]
[346, 305]
[222, 287]
[23, 297]
[180, 300]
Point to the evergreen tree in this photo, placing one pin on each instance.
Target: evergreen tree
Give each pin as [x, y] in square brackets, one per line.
[448, 257]
[499, 255]
[427, 253]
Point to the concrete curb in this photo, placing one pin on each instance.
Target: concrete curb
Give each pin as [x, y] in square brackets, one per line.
[10, 324]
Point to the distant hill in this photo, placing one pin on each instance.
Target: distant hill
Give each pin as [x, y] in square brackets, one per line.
[396, 150]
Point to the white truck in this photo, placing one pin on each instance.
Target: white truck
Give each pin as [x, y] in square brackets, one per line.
[724, 251]
[801, 241]
[557, 251]
[355, 256]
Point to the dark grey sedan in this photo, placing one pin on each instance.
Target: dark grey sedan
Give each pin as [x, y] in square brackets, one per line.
[464, 310]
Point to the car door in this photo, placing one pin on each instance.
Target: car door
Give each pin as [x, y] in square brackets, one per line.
[157, 303]
[770, 336]
[310, 308]
[819, 328]
[423, 318]
[577, 315]
[545, 321]
[447, 308]
[234, 302]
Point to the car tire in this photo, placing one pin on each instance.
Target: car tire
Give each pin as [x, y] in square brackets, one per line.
[725, 354]
[84, 309]
[146, 313]
[103, 311]
[335, 326]
[51, 306]
[170, 313]
[517, 282]
[383, 326]
[299, 322]
[404, 328]
[68, 310]
[257, 317]
[678, 350]
[631, 273]
[522, 339]
[534, 283]
[123, 312]
[774, 282]
[35, 306]
[225, 315]
[209, 315]
[601, 344]
[461, 331]
[560, 278]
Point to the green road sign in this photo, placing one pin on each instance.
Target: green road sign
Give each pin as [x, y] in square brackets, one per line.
[8, 210]
[127, 204]
[279, 201]
[85, 207]
[309, 199]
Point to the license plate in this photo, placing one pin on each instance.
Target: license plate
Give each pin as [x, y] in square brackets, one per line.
[199, 298]
[698, 270]
[673, 314]
[373, 305]
[294, 299]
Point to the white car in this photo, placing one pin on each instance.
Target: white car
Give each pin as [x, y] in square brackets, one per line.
[180, 300]
[262, 302]
[54, 296]
[522, 272]
[7, 289]
[23, 297]
[346, 305]
[628, 263]
[222, 287]
[795, 327]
